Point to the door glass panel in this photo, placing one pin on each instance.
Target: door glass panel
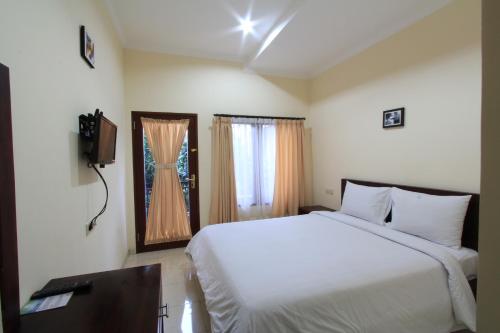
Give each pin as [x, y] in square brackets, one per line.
[182, 170]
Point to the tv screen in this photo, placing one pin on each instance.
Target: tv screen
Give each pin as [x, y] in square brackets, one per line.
[99, 136]
[105, 144]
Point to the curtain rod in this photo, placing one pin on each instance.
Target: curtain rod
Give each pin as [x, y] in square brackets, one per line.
[261, 117]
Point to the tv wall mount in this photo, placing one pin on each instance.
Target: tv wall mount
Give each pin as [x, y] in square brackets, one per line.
[88, 128]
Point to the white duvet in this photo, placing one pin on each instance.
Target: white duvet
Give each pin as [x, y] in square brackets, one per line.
[328, 272]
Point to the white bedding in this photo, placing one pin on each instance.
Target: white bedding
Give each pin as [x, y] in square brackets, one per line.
[467, 258]
[327, 272]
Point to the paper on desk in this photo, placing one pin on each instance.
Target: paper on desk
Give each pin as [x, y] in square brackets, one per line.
[47, 303]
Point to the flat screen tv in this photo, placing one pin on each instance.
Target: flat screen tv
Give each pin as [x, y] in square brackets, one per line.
[100, 134]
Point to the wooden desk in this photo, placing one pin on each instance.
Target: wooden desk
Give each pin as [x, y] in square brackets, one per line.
[121, 301]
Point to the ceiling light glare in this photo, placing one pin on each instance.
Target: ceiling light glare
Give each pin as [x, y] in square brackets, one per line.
[246, 25]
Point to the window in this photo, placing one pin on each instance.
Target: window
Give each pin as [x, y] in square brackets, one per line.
[254, 146]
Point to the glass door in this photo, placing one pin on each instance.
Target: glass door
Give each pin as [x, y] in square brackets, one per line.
[144, 169]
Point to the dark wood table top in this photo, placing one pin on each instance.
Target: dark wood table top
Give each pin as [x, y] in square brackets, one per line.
[124, 300]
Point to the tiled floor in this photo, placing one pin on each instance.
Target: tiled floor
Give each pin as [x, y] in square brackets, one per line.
[181, 290]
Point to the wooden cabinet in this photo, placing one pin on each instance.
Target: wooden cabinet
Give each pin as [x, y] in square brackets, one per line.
[120, 301]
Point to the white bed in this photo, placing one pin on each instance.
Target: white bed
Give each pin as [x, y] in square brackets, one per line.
[329, 272]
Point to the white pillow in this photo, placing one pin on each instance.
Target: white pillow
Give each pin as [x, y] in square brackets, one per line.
[437, 218]
[367, 202]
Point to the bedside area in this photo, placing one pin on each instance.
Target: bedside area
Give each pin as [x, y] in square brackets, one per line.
[307, 209]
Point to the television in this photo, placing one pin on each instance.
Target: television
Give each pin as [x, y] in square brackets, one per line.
[99, 133]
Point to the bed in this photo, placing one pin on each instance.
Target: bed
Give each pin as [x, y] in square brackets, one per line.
[330, 272]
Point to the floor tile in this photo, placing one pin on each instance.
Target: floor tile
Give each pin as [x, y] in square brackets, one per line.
[176, 294]
[190, 317]
[181, 290]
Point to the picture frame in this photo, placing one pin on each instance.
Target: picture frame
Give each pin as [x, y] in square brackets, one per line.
[87, 47]
[393, 118]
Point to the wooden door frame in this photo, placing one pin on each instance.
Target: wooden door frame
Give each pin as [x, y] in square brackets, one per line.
[138, 173]
[9, 271]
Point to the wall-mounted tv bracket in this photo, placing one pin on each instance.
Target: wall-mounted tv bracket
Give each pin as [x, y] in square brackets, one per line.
[87, 124]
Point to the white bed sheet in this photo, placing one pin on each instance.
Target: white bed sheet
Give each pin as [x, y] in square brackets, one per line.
[322, 273]
[468, 258]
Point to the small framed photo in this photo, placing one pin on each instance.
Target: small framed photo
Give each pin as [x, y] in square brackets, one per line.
[87, 48]
[394, 118]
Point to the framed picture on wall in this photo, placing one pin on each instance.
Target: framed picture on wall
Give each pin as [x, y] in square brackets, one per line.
[87, 48]
[394, 118]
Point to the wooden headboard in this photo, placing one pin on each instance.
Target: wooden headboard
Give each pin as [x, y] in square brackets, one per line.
[471, 222]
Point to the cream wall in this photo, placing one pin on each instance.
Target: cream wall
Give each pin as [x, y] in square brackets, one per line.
[489, 228]
[433, 68]
[51, 85]
[166, 83]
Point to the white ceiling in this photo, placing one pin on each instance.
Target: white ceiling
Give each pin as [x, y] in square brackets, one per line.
[311, 35]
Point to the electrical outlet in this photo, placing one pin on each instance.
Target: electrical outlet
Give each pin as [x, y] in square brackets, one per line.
[329, 191]
[89, 227]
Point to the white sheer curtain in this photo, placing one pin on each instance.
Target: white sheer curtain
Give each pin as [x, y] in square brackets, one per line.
[254, 146]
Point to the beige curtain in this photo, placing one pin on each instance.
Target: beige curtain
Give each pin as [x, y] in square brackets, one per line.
[223, 207]
[167, 216]
[289, 185]
[308, 167]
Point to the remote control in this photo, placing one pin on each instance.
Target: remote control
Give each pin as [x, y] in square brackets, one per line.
[63, 288]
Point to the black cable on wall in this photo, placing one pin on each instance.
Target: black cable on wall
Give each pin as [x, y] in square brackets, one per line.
[93, 222]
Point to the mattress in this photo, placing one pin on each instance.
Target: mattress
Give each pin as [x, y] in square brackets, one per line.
[468, 258]
[327, 272]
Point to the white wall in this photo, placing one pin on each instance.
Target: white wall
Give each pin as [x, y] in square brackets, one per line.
[167, 83]
[432, 68]
[51, 85]
[489, 227]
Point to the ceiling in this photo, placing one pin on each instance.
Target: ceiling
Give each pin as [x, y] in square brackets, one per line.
[294, 38]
